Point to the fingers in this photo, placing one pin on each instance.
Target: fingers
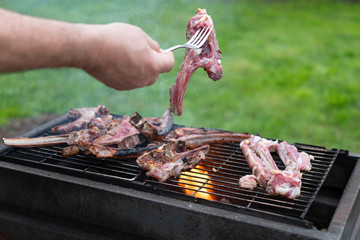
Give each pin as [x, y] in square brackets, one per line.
[165, 61]
[154, 45]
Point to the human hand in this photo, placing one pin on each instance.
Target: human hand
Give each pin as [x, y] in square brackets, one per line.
[123, 56]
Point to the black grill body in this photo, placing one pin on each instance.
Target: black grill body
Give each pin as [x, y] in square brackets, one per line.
[45, 194]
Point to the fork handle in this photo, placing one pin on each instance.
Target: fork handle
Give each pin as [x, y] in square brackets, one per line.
[173, 48]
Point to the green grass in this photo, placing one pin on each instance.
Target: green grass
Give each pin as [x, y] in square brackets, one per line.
[291, 68]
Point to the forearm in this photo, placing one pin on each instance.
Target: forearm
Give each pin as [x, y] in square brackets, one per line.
[120, 55]
[28, 42]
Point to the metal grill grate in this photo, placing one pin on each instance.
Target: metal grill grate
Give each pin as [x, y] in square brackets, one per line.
[213, 182]
[216, 179]
[50, 158]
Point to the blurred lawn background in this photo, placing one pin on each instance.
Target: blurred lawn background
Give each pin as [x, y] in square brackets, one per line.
[291, 68]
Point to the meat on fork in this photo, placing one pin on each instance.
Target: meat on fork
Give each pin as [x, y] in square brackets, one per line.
[208, 57]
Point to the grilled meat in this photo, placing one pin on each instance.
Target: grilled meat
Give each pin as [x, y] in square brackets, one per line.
[120, 133]
[82, 117]
[170, 159]
[103, 136]
[145, 128]
[135, 152]
[285, 183]
[164, 124]
[137, 137]
[201, 136]
[75, 138]
[208, 57]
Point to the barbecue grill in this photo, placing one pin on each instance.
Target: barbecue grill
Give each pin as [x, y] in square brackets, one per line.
[48, 196]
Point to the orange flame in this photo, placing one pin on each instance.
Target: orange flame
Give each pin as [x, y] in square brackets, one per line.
[192, 180]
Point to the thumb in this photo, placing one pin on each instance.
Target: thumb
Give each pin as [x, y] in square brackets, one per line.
[165, 61]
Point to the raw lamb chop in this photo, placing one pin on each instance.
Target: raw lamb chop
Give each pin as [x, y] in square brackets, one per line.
[285, 183]
[290, 155]
[208, 57]
[248, 182]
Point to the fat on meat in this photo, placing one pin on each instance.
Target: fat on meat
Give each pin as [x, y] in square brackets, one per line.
[287, 182]
[248, 182]
[290, 156]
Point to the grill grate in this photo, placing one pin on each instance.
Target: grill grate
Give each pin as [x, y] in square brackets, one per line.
[50, 157]
[216, 179]
[213, 182]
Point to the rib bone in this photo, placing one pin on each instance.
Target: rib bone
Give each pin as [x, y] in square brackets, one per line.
[36, 142]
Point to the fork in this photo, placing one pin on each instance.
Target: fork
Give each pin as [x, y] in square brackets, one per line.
[197, 40]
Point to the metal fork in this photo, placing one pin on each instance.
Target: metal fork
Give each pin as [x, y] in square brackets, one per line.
[197, 40]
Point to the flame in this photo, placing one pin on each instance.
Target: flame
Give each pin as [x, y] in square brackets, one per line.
[192, 180]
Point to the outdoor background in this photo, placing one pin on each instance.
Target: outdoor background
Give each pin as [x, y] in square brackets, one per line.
[291, 69]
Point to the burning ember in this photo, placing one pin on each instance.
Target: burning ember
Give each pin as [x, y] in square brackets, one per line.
[197, 183]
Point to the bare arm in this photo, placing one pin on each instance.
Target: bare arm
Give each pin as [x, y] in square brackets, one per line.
[120, 55]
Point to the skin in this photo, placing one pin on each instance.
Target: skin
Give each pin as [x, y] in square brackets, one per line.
[120, 55]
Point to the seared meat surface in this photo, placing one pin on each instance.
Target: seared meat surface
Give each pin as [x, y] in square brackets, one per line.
[170, 159]
[201, 136]
[102, 136]
[160, 152]
[208, 57]
[82, 117]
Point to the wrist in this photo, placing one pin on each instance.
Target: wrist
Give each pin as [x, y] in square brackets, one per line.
[85, 45]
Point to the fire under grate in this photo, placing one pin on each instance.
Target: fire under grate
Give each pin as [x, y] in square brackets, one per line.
[214, 182]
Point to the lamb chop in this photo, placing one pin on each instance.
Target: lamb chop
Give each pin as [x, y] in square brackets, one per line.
[290, 156]
[135, 131]
[95, 128]
[170, 159]
[285, 183]
[104, 136]
[208, 57]
[201, 136]
[164, 124]
[82, 117]
[124, 134]
[192, 137]
[119, 134]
